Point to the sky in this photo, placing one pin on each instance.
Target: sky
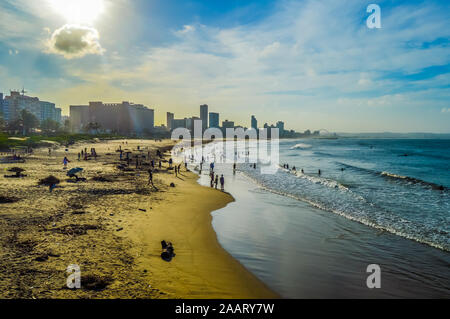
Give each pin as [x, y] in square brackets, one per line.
[312, 64]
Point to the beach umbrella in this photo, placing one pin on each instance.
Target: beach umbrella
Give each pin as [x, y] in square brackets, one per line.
[74, 171]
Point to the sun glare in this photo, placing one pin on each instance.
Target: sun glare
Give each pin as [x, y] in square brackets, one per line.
[78, 11]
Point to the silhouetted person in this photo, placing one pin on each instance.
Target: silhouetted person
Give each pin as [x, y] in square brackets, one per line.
[222, 182]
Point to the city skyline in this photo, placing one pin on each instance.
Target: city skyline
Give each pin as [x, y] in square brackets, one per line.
[312, 65]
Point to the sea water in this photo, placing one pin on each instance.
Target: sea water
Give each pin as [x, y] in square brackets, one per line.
[305, 234]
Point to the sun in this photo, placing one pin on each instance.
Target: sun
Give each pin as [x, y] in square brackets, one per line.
[78, 11]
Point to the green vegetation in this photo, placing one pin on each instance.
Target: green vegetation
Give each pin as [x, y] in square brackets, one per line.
[42, 140]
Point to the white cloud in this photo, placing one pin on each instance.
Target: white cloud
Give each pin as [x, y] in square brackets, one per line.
[74, 41]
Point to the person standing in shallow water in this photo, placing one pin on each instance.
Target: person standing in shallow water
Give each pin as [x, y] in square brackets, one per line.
[222, 183]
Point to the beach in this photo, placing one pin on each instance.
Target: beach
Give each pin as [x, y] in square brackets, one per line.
[111, 225]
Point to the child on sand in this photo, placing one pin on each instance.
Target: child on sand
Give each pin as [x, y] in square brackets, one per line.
[65, 162]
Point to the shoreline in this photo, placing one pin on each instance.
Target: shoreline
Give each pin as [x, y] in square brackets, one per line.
[113, 230]
[202, 268]
[321, 254]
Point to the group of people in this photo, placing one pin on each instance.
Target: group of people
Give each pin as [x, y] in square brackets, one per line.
[84, 154]
[215, 180]
[294, 169]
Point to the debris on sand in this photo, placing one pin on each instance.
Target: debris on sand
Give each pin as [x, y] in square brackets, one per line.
[8, 199]
[172, 185]
[95, 282]
[168, 251]
[102, 179]
[41, 258]
[18, 172]
[74, 229]
[49, 181]
[78, 213]
[119, 229]
[142, 210]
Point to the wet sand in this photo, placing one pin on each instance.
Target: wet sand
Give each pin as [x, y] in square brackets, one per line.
[113, 230]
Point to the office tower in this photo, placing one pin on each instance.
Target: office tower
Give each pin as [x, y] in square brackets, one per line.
[254, 123]
[204, 116]
[170, 117]
[214, 120]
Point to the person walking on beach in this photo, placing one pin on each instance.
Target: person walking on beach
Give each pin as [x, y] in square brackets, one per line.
[216, 181]
[65, 162]
[160, 165]
[211, 176]
[79, 156]
[222, 183]
[170, 162]
[150, 177]
[234, 168]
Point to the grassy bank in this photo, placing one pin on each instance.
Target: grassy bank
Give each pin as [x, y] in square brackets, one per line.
[41, 140]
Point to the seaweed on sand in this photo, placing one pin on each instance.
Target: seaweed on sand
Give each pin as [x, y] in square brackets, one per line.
[49, 181]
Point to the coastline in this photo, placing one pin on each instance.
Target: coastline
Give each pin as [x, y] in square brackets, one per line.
[113, 231]
[301, 251]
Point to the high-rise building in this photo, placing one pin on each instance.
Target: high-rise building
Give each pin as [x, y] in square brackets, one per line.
[124, 118]
[5, 110]
[2, 115]
[179, 123]
[280, 126]
[227, 124]
[254, 123]
[170, 117]
[204, 116]
[14, 103]
[214, 120]
[57, 117]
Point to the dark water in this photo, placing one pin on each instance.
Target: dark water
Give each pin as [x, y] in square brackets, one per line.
[313, 236]
[400, 186]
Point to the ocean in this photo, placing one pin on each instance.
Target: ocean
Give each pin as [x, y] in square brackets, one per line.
[375, 201]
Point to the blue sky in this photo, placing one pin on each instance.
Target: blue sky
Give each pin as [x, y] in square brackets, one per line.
[313, 64]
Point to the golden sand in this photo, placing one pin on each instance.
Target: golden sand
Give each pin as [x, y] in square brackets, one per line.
[113, 230]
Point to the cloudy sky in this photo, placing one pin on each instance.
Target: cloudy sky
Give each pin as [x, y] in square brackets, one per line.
[313, 64]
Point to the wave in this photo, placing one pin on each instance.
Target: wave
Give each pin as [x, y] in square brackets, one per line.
[300, 146]
[317, 180]
[400, 178]
[362, 219]
[412, 180]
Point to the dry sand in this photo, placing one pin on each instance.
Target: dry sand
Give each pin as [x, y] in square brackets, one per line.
[113, 231]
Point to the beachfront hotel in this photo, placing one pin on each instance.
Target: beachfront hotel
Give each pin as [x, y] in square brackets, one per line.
[122, 118]
[12, 105]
